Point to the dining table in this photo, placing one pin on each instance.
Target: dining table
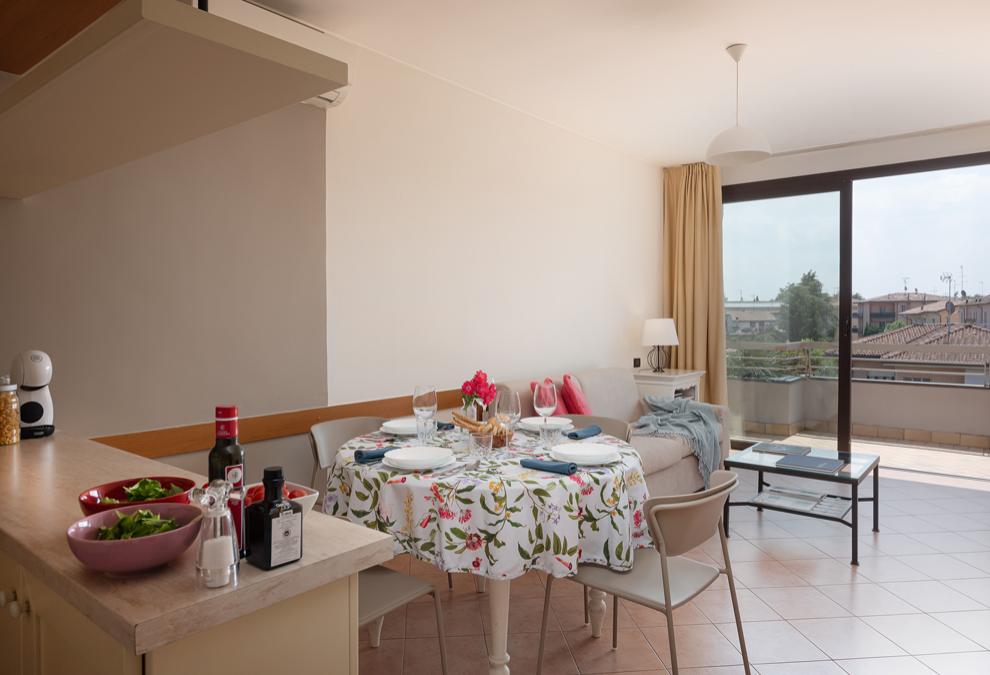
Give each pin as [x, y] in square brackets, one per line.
[496, 519]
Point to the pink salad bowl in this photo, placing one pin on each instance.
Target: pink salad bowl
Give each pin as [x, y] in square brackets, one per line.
[133, 555]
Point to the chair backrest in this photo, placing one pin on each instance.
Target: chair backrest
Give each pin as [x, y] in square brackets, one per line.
[609, 425]
[680, 523]
[326, 439]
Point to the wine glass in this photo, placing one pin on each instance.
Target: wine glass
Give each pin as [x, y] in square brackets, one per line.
[508, 408]
[425, 410]
[545, 403]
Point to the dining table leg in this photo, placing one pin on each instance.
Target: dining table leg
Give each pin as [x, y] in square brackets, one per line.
[498, 608]
[480, 583]
[596, 611]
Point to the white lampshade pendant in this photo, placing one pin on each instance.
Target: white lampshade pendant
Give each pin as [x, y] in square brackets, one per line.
[738, 145]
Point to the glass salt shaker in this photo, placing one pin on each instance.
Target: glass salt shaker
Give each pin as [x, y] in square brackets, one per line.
[10, 415]
[217, 561]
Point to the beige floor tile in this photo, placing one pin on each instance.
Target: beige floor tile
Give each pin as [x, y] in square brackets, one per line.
[383, 660]
[977, 589]
[800, 603]
[697, 646]
[887, 568]
[980, 560]
[717, 606]
[953, 542]
[953, 522]
[569, 611]
[394, 626]
[912, 524]
[846, 638]
[460, 618]
[941, 566]
[982, 538]
[933, 596]
[911, 507]
[841, 547]
[826, 571]
[523, 650]
[684, 615]
[804, 668]
[789, 549]
[974, 625]
[896, 544]
[766, 574]
[901, 665]
[758, 530]
[867, 600]
[921, 634]
[971, 663]
[466, 655]
[773, 642]
[595, 655]
[740, 550]
[713, 670]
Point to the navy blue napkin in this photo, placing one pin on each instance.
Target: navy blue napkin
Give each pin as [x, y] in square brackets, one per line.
[587, 432]
[444, 426]
[565, 468]
[370, 456]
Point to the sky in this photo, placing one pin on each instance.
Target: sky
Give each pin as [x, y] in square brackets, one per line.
[919, 226]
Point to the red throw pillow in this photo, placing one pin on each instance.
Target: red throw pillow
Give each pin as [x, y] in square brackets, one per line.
[561, 405]
[574, 397]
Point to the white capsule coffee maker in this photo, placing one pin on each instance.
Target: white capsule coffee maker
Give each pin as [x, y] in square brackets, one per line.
[32, 371]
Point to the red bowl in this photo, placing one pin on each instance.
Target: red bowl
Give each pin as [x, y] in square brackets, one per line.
[133, 555]
[91, 500]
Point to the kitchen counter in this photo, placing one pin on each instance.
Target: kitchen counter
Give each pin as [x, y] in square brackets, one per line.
[40, 481]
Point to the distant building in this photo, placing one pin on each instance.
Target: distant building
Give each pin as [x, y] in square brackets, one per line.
[931, 313]
[887, 363]
[751, 318]
[876, 313]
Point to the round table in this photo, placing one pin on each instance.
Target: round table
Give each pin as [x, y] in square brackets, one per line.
[496, 519]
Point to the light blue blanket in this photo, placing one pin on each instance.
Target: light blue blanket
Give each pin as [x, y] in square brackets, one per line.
[678, 417]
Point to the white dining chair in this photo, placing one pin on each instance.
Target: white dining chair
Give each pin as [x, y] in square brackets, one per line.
[381, 590]
[609, 425]
[325, 439]
[661, 577]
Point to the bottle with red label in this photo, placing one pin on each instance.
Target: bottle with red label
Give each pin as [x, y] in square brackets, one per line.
[227, 463]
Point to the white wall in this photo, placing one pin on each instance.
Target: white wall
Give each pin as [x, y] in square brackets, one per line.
[173, 283]
[874, 153]
[463, 234]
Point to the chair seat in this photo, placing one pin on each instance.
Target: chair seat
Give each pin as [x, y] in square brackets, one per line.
[644, 583]
[380, 590]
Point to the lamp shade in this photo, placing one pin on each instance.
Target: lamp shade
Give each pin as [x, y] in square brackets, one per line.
[738, 145]
[659, 332]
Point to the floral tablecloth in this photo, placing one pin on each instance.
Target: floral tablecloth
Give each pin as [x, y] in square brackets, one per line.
[497, 519]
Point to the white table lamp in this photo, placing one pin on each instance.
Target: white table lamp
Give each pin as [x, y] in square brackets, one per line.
[659, 333]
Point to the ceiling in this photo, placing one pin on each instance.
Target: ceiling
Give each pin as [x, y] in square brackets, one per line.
[650, 77]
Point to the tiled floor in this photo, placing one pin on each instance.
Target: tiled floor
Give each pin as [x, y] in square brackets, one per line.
[918, 603]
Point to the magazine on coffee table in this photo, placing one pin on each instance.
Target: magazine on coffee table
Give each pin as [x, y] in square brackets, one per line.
[810, 463]
[780, 448]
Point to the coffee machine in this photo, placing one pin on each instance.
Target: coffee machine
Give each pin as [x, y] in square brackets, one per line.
[32, 371]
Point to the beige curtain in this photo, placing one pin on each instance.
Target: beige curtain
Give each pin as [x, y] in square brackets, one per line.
[692, 272]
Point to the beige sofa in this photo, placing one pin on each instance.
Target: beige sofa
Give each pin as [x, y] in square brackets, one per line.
[669, 463]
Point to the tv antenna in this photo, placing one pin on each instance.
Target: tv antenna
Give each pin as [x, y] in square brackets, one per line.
[947, 279]
[905, 280]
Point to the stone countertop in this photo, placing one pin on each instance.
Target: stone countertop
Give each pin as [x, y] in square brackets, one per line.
[40, 481]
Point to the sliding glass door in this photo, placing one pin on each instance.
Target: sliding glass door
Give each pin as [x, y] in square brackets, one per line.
[781, 276]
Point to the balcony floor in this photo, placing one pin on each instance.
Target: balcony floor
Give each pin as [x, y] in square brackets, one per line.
[918, 603]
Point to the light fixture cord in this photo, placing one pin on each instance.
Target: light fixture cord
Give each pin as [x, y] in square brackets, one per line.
[737, 93]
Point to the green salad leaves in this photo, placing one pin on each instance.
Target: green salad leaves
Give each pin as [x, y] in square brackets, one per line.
[143, 490]
[141, 523]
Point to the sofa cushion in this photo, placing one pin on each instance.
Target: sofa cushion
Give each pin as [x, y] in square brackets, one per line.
[561, 405]
[612, 392]
[658, 453]
[574, 398]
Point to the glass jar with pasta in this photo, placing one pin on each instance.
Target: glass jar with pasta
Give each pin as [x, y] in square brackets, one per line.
[10, 412]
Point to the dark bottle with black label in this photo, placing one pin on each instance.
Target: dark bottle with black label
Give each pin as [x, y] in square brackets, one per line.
[227, 463]
[274, 526]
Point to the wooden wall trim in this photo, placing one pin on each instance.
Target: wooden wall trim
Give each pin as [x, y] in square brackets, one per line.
[194, 437]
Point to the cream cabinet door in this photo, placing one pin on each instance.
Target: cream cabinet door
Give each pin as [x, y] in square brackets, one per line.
[10, 627]
[57, 639]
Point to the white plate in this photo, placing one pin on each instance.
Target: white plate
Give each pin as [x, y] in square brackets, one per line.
[400, 426]
[418, 458]
[585, 454]
[385, 462]
[536, 423]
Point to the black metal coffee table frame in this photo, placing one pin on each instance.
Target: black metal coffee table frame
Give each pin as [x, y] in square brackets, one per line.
[844, 477]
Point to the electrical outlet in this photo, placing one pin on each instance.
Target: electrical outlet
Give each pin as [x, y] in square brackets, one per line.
[636, 362]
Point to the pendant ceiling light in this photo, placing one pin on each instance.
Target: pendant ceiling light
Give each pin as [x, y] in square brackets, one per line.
[738, 144]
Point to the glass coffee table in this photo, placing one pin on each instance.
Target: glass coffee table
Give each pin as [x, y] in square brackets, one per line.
[824, 506]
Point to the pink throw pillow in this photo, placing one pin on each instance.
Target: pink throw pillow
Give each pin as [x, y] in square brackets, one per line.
[574, 397]
[561, 405]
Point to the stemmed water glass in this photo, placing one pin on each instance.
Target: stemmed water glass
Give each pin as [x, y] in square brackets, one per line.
[545, 403]
[508, 409]
[425, 410]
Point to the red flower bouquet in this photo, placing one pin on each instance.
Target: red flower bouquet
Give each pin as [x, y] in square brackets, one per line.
[478, 390]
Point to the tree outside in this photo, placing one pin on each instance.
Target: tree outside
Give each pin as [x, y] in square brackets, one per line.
[807, 312]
